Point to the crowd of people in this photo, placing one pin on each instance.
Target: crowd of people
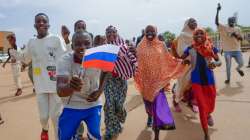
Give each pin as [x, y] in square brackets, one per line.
[69, 94]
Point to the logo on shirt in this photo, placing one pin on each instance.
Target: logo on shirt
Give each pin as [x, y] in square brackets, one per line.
[52, 72]
[52, 53]
[37, 71]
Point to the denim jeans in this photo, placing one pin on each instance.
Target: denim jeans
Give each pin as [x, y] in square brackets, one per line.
[237, 55]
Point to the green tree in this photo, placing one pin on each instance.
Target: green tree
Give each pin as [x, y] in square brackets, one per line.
[209, 30]
[169, 36]
[244, 28]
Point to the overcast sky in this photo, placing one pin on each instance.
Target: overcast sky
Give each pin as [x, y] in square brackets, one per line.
[129, 16]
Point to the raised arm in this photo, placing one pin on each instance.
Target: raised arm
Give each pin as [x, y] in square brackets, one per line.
[217, 15]
[65, 34]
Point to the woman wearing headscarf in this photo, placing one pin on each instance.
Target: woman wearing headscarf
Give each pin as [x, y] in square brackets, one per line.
[204, 59]
[115, 89]
[183, 83]
[156, 67]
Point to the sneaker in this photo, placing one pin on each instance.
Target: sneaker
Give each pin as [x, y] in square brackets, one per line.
[44, 135]
[227, 81]
[241, 73]
[210, 121]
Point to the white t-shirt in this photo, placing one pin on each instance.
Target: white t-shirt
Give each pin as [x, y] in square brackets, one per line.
[229, 43]
[67, 67]
[44, 54]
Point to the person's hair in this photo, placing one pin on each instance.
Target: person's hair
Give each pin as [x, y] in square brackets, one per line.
[191, 19]
[12, 35]
[161, 37]
[42, 14]
[78, 21]
[99, 39]
[80, 34]
[111, 27]
[232, 19]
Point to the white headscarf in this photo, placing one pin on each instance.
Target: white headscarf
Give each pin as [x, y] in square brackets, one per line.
[185, 38]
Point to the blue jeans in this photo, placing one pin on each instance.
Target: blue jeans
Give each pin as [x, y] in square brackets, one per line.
[70, 120]
[237, 55]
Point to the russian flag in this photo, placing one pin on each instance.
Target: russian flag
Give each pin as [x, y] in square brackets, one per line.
[101, 57]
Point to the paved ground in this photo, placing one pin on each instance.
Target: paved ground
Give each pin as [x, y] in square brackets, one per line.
[232, 114]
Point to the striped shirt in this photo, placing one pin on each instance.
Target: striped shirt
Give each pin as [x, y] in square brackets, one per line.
[126, 63]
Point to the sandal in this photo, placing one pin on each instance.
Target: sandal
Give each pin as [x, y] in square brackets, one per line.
[210, 121]
[18, 92]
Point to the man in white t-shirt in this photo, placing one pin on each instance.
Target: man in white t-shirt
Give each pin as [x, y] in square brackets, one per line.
[44, 50]
[231, 43]
[80, 91]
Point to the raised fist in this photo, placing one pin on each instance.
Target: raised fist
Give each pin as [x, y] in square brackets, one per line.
[218, 7]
